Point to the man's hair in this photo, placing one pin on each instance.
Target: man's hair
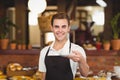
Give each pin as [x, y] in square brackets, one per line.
[60, 15]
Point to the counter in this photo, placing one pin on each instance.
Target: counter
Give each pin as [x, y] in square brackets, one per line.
[102, 60]
[97, 59]
[27, 58]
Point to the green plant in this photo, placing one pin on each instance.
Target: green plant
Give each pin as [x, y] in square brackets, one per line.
[105, 41]
[114, 25]
[98, 38]
[13, 41]
[5, 25]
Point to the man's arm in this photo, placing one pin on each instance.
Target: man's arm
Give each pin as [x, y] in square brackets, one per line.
[43, 75]
[83, 67]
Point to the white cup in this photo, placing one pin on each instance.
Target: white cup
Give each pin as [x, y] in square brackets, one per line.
[117, 71]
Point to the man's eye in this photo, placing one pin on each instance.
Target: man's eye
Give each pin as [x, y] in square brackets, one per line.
[64, 26]
[56, 26]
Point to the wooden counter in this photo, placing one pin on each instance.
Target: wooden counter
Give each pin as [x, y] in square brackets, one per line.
[27, 58]
[102, 60]
[97, 59]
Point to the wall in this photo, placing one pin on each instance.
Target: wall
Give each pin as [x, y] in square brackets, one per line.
[34, 35]
[94, 12]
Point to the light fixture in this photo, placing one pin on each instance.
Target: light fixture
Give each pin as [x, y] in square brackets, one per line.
[101, 3]
[37, 6]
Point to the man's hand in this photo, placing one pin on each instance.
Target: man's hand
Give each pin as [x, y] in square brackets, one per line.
[76, 56]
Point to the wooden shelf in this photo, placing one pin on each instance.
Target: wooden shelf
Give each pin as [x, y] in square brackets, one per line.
[20, 52]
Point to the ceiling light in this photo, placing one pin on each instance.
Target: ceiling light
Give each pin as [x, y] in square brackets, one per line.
[37, 6]
[101, 3]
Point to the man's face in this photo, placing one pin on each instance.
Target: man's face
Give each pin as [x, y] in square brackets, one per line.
[60, 29]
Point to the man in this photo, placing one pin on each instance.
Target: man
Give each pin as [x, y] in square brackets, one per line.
[60, 60]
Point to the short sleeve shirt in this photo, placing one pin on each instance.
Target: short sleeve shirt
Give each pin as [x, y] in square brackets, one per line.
[62, 52]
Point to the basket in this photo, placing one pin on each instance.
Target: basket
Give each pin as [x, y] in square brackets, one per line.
[44, 23]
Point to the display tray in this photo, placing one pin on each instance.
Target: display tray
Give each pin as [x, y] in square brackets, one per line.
[20, 73]
[16, 69]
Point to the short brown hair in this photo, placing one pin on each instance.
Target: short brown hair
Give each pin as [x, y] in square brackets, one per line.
[60, 15]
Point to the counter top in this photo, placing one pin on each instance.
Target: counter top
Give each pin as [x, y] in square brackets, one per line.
[20, 52]
[97, 59]
[102, 52]
[37, 51]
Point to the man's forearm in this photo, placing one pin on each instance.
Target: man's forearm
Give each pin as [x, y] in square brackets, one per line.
[83, 68]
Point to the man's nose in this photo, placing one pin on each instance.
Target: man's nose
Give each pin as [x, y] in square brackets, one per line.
[60, 29]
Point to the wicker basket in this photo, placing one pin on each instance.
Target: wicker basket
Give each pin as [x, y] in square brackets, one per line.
[45, 23]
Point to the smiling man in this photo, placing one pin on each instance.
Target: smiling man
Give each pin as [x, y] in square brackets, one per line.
[59, 61]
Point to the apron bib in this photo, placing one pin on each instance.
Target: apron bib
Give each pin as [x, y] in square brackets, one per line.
[57, 68]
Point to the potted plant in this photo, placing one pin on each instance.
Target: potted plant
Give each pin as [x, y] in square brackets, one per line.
[29, 46]
[5, 25]
[115, 42]
[23, 45]
[19, 44]
[106, 44]
[13, 44]
[98, 42]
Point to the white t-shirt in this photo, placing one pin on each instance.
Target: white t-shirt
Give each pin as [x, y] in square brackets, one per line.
[62, 52]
